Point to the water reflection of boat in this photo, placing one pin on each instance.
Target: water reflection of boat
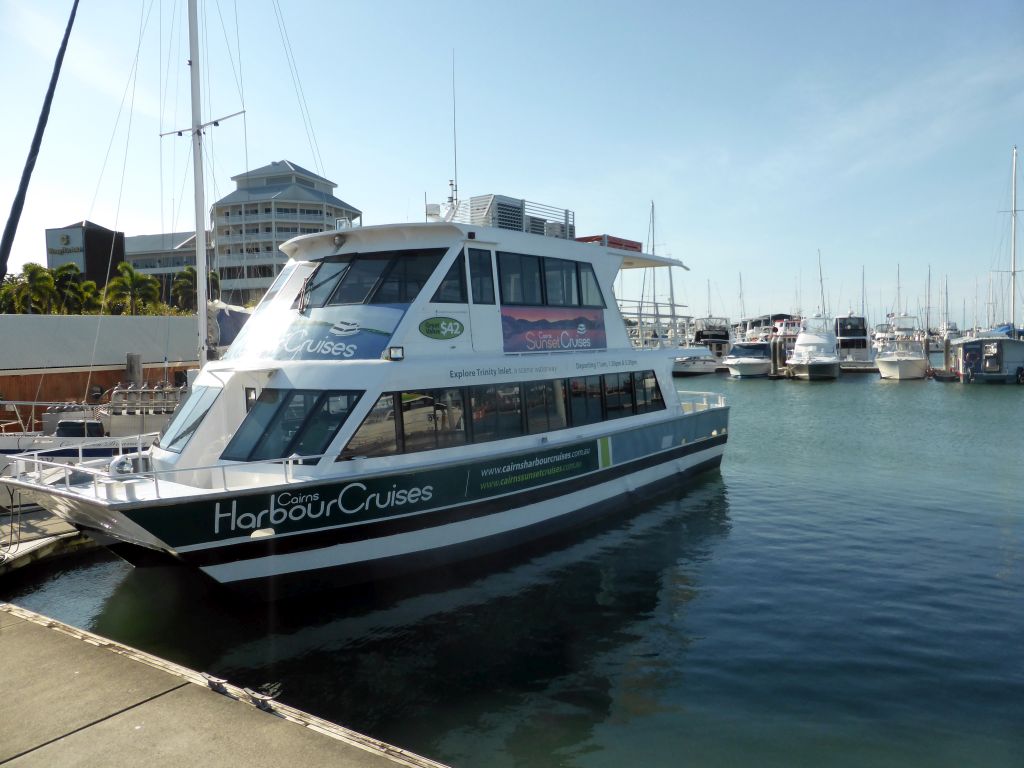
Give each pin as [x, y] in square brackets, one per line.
[524, 613]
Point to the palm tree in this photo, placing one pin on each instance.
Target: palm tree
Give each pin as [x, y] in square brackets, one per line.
[183, 289]
[35, 289]
[10, 296]
[131, 289]
[67, 279]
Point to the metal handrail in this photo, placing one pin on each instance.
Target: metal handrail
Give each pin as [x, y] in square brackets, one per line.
[30, 467]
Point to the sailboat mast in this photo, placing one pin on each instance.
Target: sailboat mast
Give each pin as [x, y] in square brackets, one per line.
[197, 177]
[821, 285]
[1013, 249]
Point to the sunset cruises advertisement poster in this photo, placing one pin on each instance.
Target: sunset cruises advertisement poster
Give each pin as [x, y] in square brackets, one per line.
[552, 329]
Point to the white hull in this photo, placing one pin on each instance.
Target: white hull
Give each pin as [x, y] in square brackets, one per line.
[748, 369]
[902, 368]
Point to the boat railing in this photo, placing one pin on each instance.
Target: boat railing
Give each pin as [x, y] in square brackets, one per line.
[117, 480]
[691, 402]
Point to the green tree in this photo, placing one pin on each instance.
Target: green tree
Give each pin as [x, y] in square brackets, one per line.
[183, 289]
[10, 295]
[32, 290]
[131, 290]
[67, 280]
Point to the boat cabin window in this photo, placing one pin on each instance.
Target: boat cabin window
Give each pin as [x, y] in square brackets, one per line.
[560, 283]
[648, 393]
[520, 279]
[481, 276]
[422, 420]
[378, 434]
[545, 406]
[618, 395]
[497, 412]
[290, 422]
[585, 397]
[453, 288]
[188, 418]
[385, 277]
[565, 283]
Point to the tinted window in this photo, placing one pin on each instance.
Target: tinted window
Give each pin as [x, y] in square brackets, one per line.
[453, 288]
[187, 420]
[290, 422]
[406, 277]
[481, 276]
[520, 279]
[496, 412]
[590, 291]
[322, 283]
[361, 277]
[560, 283]
[618, 394]
[585, 400]
[545, 405]
[377, 435]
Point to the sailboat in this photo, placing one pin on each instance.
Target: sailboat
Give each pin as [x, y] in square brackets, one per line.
[996, 356]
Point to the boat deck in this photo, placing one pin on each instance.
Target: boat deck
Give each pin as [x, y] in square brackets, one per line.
[82, 699]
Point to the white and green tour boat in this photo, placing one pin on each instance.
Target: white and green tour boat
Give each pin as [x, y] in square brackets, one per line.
[404, 396]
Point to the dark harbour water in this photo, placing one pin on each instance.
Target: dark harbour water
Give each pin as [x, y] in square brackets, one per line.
[847, 591]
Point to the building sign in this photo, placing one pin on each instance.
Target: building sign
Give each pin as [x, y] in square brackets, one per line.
[552, 329]
[64, 246]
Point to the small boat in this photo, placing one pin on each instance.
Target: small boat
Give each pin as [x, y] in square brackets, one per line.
[749, 359]
[904, 356]
[695, 361]
[814, 355]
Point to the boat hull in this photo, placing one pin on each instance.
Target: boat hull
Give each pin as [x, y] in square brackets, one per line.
[902, 368]
[815, 371]
[748, 369]
[374, 526]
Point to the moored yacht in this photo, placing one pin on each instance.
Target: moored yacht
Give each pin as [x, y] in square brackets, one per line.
[404, 396]
[853, 344]
[904, 355]
[814, 355]
[749, 359]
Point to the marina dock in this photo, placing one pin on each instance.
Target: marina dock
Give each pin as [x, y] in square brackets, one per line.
[75, 698]
[31, 534]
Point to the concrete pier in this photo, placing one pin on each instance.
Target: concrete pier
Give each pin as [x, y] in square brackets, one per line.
[72, 698]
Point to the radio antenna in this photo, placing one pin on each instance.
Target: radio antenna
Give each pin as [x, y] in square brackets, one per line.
[453, 200]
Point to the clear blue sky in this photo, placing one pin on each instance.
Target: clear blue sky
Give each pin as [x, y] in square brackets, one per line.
[878, 132]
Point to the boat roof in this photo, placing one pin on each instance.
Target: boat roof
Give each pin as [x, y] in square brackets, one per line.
[320, 245]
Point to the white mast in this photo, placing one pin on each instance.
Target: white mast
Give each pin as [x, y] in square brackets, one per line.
[197, 176]
[1013, 249]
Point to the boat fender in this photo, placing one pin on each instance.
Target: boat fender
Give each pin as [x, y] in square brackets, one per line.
[1020, 374]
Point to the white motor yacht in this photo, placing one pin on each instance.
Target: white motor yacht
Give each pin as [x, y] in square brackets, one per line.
[749, 359]
[814, 354]
[904, 355]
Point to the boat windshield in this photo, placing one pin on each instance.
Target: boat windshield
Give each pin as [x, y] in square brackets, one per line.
[749, 350]
[290, 422]
[384, 277]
